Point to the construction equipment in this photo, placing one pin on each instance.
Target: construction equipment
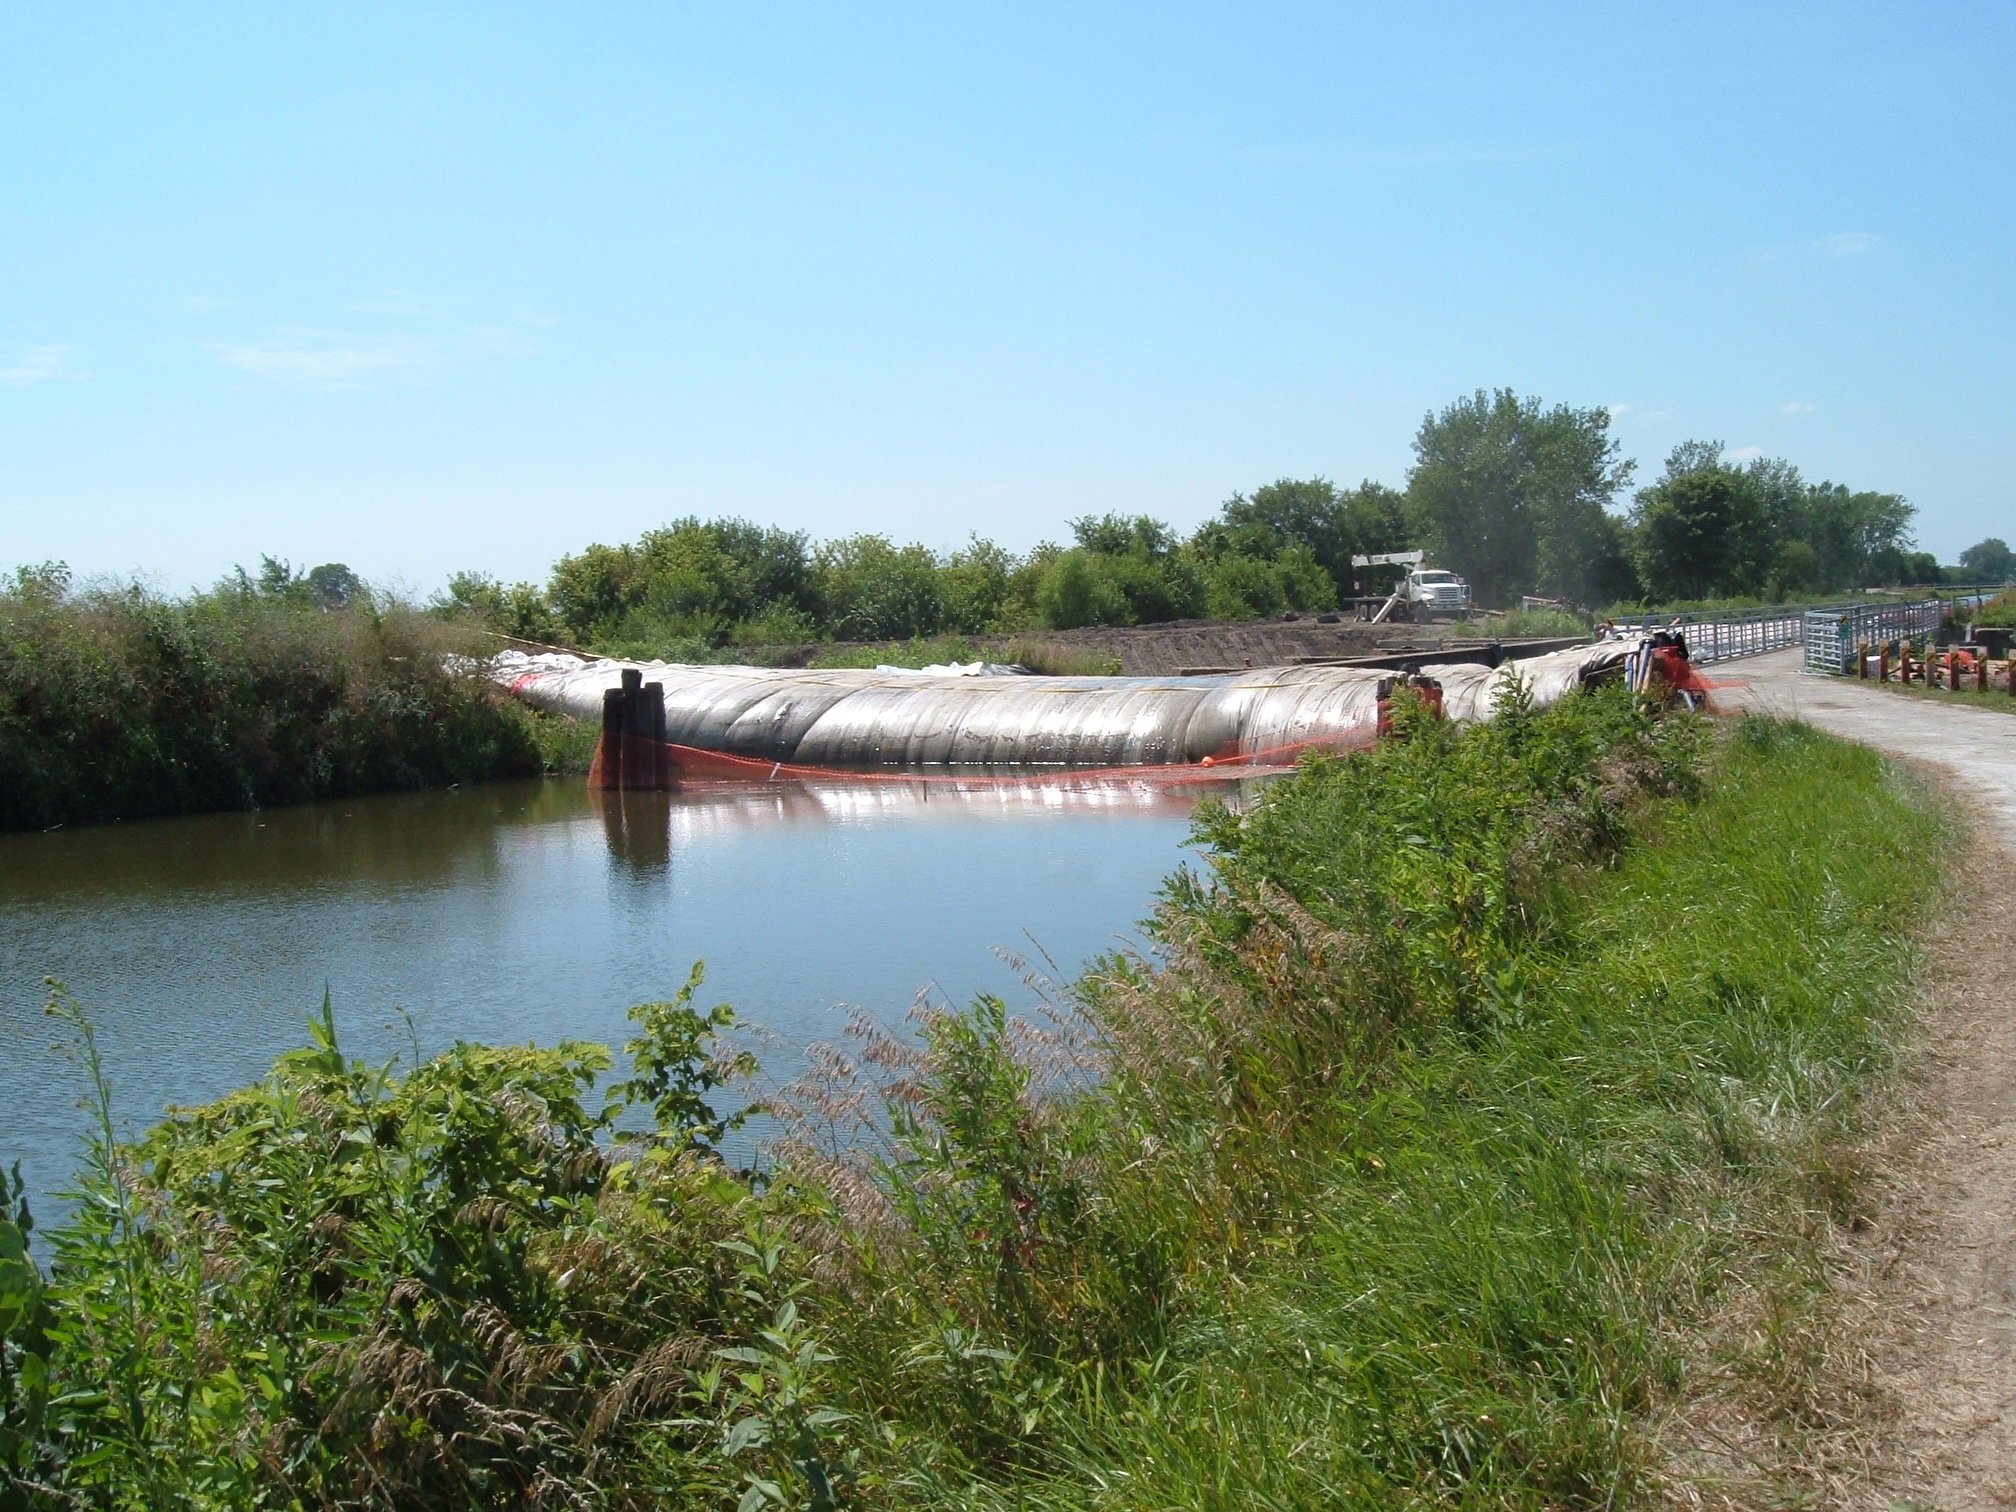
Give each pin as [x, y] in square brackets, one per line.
[1422, 592]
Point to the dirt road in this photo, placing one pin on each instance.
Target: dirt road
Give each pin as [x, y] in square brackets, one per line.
[1943, 1342]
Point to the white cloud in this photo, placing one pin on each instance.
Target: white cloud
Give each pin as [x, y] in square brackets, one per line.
[304, 358]
[1743, 454]
[39, 365]
[1617, 410]
[1796, 407]
[1847, 243]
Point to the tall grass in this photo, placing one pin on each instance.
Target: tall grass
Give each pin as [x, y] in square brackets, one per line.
[1469, 1077]
[118, 703]
[1534, 623]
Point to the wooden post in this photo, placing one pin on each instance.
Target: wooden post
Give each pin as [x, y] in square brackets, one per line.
[635, 772]
[654, 732]
[1980, 672]
[1883, 662]
[2009, 671]
[612, 738]
[1862, 659]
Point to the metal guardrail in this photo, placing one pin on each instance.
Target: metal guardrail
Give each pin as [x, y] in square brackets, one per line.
[1828, 632]
[1722, 635]
[1831, 635]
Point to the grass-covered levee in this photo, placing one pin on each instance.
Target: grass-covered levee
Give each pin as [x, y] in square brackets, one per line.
[1474, 1073]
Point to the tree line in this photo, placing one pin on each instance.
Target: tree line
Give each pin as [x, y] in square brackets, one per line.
[1519, 497]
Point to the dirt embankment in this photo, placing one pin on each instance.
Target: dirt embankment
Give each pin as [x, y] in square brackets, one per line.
[1175, 648]
[1159, 650]
[1185, 645]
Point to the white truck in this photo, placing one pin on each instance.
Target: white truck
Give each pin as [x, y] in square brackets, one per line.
[1422, 592]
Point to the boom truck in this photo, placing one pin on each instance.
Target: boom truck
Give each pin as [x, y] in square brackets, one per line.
[1422, 591]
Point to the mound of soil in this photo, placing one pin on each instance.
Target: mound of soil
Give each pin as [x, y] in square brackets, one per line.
[1188, 645]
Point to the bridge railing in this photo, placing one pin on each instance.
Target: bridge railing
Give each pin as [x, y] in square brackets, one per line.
[1828, 632]
[1831, 635]
[1724, 634]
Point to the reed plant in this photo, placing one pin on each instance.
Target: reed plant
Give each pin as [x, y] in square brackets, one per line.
[118, 703]
[1472, 1073]
[1532, 623]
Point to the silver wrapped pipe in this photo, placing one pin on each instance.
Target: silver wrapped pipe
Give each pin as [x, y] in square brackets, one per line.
[852, 718]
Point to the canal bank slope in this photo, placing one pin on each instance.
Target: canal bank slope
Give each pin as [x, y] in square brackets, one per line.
[1927, 1297]
[1373, 1186]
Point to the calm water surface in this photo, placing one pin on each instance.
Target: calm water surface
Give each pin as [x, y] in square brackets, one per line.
[536, 911]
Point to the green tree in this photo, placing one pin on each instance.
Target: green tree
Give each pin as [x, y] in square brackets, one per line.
[1919, 568]
[1705, 529]
[593, 590]
[519, 610]
[1857, 538]
[1248, 587]
[713, 579]
[1125, 570]
[1990, 561]
[709, 580]
[1514, 495]
[873, 590]
[1708, 529]
[335, 586]
[1312, 514]
[1077, 589]
[975, 585]
[1125, 535]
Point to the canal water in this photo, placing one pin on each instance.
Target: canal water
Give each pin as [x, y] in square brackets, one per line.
[539, 912]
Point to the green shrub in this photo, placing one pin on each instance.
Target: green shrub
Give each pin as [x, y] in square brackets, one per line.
[1546, 624]
[1998, 611]
[117, 703]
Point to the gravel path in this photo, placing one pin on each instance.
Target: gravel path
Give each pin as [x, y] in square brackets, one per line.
[1943, 1349]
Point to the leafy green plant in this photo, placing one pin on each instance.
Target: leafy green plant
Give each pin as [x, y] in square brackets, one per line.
[24, 1347]
[676, 1068]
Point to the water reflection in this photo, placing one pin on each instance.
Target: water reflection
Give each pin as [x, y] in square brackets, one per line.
[637, 827]
[539, 911]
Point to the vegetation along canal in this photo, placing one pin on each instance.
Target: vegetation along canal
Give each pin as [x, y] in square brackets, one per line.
[535, 911]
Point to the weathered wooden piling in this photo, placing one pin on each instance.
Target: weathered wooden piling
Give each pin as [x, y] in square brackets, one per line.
[632, 756]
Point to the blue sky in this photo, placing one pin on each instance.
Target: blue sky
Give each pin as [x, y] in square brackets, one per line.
[421, 288]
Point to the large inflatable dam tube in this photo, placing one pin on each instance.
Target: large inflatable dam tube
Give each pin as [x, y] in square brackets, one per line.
[846, 717]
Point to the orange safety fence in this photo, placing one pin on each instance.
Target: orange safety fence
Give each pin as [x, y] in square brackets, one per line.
[660, 762]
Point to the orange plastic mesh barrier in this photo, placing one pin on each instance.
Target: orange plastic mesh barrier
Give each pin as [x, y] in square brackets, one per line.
[690, 764]
[1672, 667]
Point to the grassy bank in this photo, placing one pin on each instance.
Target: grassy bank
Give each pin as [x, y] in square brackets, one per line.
[1997, 699]
[1476, 1071]
[118, 703]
